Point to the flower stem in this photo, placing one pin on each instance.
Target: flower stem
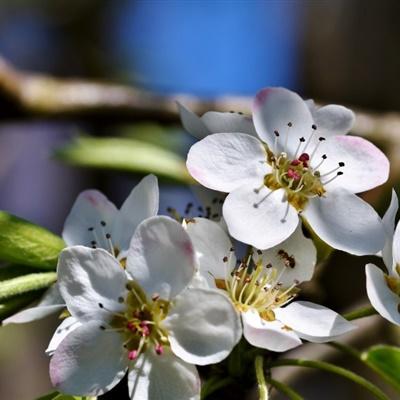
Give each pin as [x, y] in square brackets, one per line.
[361, 313]
[262, 385]
[285, 389]
[324, 366]
[213, 384]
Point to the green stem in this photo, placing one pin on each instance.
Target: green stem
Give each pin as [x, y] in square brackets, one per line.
[351, 351]
[262, 385]
[361, 313]
[324, 366]
[285, 389]
[213, 384]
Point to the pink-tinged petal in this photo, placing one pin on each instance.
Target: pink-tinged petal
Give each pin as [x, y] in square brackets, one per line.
[274, 109]
[89, 361]
[313, 321]
[203, 326]
[364, 165]
[213, 249]
[192, 123]
[63, 330]
[142, 203]
[270, 335]
[332, 119]
[303, 257]
[346, 222]
[161, 257]
[262, 219]
[92, 283]
[226, 161]
[84, 222]
[163, 377]
[388, 221]
[381, 297]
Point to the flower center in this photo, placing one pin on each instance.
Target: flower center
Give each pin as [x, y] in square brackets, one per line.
[257, 288]
[141, 322]
[393, 284]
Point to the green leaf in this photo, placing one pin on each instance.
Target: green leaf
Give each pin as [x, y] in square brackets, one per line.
[23, 242]
[386, 361]
[127, 155]
[26, 283]
[17, 303]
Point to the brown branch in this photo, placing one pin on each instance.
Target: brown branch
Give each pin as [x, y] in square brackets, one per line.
[38, 94]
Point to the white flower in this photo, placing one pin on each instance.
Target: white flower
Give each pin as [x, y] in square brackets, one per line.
[215, 122]
[95, 222]
[145, 321]
[295, 171]
[384, 289]
[261, 293]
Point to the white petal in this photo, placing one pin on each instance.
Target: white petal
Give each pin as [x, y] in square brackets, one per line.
[226, 161]
[163, 377]
[270, 335]
[218, 122]
[161, 257]
[65, 328]
[203, 326]
[300, 249]
[51, 296]
[313, 322]
[89, 361]
[212, 246]
[273, 109]
[333, 120]
[389, 223]
[142, 203]
[89, 210]
[33, 314]
[396, 247]
[192, 123]
[88, 278]
[346, 222]
[381, 297]
[365, 166]
[264, 226]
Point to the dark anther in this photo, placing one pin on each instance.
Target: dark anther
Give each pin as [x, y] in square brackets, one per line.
[302, 140]
[240, 113]
[225, 259]
[93, 243]
[255, 205]
[215, 215]
[169, 209]
[90, 229]
[321, 139]
[120, 299]
[221, 201]
[103, 223]
[313, 126]
[108, 235]
[101, 305]
[289, 124]
[259, 252]
[94, 246]
[324, 156]
[232, 112]
[231, 249]
[276, 133]
[103, 328]
[340, 173]
[214, 200]
[341, 164]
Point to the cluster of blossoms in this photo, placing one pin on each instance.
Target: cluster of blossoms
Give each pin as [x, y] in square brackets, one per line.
[151, 297]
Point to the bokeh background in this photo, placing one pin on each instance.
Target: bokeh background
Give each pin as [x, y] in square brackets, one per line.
[340, 51]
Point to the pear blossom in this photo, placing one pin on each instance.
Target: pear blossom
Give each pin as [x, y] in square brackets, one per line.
[145, 321]
[294, 170]
[262, 292]
[94, 221]
[383, 289]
